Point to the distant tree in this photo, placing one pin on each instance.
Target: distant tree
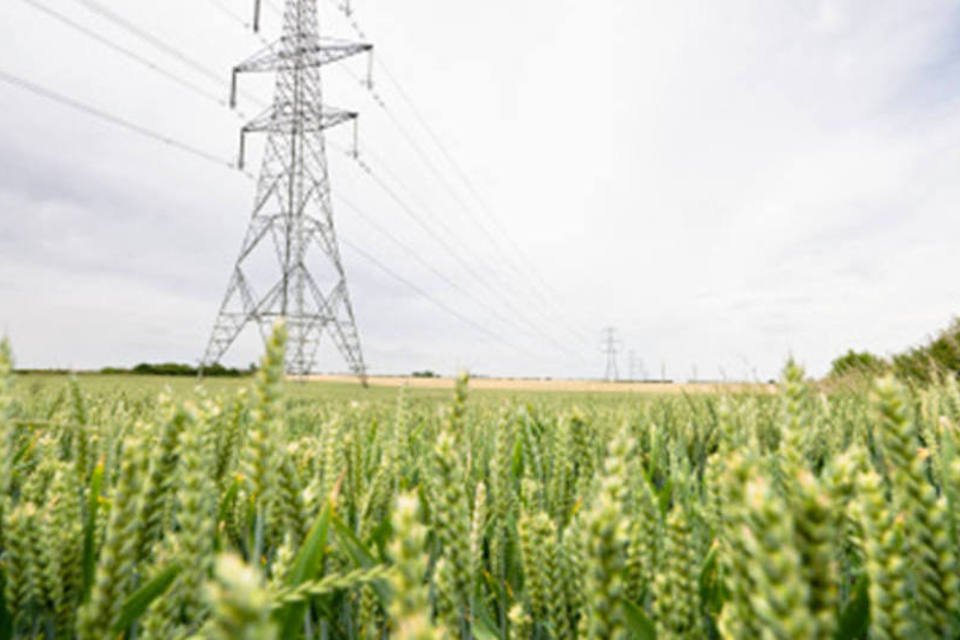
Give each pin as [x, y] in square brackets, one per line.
[941, 356]
[164, 369]
[858, 363]
[179, 369]
[424, 374]
[217, 370]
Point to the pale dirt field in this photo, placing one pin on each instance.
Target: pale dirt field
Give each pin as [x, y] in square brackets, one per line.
[568, 386]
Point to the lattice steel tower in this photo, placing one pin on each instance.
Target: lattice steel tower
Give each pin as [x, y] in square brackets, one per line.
[289, 265]
[610, 346]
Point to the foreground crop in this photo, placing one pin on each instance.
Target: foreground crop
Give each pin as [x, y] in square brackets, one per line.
[258, 516]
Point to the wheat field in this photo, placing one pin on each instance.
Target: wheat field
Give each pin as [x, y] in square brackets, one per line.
[553, 385]
[261, 511]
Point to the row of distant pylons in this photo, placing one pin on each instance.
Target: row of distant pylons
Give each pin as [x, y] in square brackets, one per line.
[636, 369]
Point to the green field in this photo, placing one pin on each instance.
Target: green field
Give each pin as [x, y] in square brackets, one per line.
[143, 507]
[146, 387]
[183, 387]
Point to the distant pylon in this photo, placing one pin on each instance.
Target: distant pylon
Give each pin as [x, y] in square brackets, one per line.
[289, 265]
[610, 346]
[637, 369]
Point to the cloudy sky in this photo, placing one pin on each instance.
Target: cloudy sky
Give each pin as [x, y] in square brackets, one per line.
[727, 183]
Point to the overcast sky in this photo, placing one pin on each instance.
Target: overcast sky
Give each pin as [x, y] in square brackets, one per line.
[727, 183]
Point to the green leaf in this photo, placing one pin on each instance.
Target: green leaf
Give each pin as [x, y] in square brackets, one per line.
[25, 449]
[484, 626]
[855, 617]
[381, 536]
[483, 630]
[6, 622]
[93, 506]
[306, 565]
[424, 502]
[136, 604]
[710, 586]
[664, 496]
[311, 553]
[351, 543]
[516, 466]
[358, 553]
[639, 626]
[227, 502]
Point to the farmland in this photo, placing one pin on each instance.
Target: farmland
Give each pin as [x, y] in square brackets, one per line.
[262, 508]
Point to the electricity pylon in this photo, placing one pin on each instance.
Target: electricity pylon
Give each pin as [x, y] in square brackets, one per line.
[636, 367]
[289, 265]
[611, 344]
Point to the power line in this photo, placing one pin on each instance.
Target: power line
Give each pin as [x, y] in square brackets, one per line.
[107, 117]
[236, 17]
[153, 66]
[517, 252]
[418, 258]
[465, 178]
[441, 305]
[230, 13]
[365, 167]
[438, 175]
[273, 7]
[412, 214]
[392, 238]
[522, 267]
[424, 156]
[426, 127]
[119, 20]
[505, 282]
[157, 43]
[461, 173]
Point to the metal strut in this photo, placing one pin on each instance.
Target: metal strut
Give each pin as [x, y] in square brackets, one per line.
[290, 254]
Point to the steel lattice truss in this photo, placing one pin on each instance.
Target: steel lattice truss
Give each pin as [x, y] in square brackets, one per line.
[289, 265]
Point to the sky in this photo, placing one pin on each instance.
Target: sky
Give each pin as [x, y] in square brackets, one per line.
[728, 184]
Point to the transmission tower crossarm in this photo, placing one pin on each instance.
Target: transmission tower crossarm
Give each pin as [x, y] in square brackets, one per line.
[309, 121]
[278, 57]
[274, 58]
